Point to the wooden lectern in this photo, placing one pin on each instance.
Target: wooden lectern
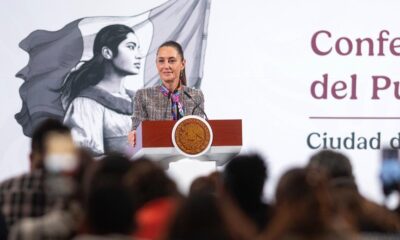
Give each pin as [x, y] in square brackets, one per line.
[154, 140]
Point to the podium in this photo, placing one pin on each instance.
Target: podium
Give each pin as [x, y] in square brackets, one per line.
[154, 140]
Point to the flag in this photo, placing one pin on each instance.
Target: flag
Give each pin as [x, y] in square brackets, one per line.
[54, 54]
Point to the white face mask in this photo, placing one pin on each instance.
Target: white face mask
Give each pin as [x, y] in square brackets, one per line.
[56, 163]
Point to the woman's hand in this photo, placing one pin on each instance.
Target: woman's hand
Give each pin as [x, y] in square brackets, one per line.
[132, 138]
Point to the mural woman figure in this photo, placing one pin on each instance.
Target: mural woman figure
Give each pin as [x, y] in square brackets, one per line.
[99, 107]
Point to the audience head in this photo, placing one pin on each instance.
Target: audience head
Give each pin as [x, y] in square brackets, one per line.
[244, 178]
[148, 181]
[52, 140]
[303, 201]
[199, 218]
[205, 184]
[335, 164]
[109, 207]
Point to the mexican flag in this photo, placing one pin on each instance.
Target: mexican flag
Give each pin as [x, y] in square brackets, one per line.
[54, 54]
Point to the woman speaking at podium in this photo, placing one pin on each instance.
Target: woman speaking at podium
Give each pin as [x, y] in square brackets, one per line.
[171, 99]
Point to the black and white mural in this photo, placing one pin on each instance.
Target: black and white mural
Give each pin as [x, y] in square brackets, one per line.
[81, 73]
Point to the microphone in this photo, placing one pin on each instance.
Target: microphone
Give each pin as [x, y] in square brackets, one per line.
[196, 106]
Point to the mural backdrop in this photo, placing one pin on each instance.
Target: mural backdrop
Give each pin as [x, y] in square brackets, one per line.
[302, 75]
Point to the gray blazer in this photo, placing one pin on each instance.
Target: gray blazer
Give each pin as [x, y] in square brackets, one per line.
[151, 104]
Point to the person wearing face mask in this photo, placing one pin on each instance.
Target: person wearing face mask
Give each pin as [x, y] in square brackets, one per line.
[26, 195]
[171, 99]
[65, 182]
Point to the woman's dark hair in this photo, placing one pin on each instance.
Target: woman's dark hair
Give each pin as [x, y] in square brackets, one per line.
[302, 193]
[92, 71]
[108, 202]
[244, 178]
[198, 218]
[335, 164]
[178, 48]
[148, 181]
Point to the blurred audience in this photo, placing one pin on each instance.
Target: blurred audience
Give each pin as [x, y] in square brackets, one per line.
[68, 195]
